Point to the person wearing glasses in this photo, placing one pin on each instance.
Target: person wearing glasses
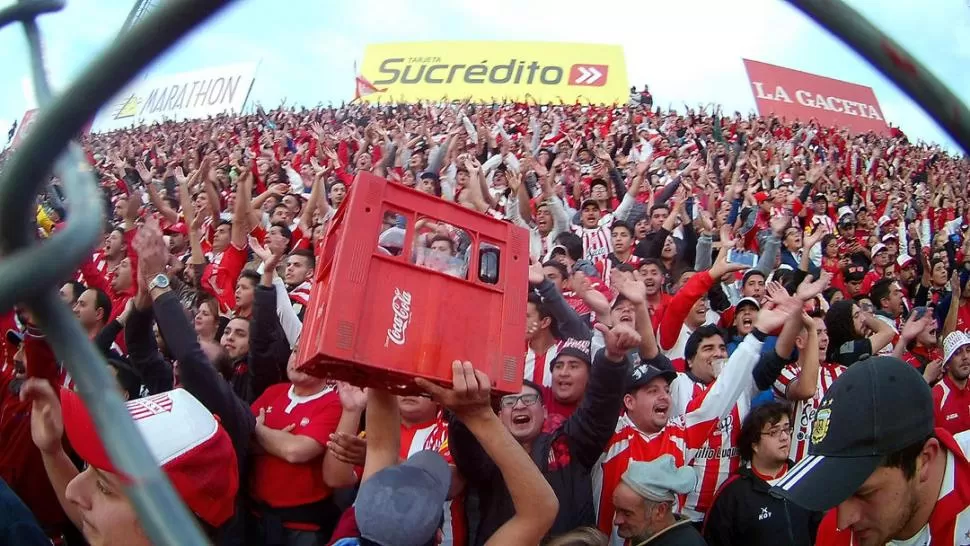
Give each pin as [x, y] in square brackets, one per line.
[565, 456]
[744, 511]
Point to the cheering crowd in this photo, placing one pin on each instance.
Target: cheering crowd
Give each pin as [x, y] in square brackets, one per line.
[740, 331]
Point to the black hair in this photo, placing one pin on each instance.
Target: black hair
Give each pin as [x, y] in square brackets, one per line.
[880, 289]
[285, 232]
[622, 224]
[826, 239]
[829, 292]
[77, 289]
[905, 458]
[655, 262]
[599, 182]
[750, 434]
[534, 386]
[102, 301]
[559, 267]
[838, 322]
[308, 255]
[128, 378]
[659, 206]
[573, 244]
[699, 335]
[279, 205]
[250, 275]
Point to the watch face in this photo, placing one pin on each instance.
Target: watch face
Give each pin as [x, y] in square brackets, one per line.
[160, 281]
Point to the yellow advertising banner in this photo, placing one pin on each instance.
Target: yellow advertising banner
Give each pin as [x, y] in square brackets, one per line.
[496, 71]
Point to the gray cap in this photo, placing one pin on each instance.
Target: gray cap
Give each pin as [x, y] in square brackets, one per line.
[659, 480]
[402, 505]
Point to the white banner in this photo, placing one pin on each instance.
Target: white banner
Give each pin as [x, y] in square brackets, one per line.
[187, 95]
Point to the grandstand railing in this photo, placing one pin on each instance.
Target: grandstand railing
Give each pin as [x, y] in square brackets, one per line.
[30, 270]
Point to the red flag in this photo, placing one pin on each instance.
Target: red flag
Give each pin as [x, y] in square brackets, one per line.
[363, 88]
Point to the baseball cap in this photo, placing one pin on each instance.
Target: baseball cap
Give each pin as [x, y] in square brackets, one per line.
[854, 273]
[644, 373]
[878, 247]
[855, 427]
[188, 443]
[904, 260]
[890, 237]
[428, 174]
[820, 197]
[751, 273]
[401, 505]
[177, 228]
[588, 202]
[578, 348]
[747, 301]
[952, 343]
[846, 211]
[391, 238]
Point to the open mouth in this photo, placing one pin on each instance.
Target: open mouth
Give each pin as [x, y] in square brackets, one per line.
[661, 411]
[747, 322]
[521, 419]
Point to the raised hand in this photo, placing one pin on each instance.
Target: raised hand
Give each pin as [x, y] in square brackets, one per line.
[46, 420]
[620, 339]
[352, 398]
[153, 253]
[264, 254]
[469, 394]
[536, 273]
[784, 308]
[809, 288]
[631, 289]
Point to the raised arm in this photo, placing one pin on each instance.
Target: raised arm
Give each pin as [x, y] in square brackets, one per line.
[536, 505]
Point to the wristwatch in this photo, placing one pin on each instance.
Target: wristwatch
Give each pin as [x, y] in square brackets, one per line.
[158, 281]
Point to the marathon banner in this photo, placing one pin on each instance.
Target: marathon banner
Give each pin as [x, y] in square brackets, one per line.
[799, 95]
[496, 71]
[25, 124]
[187, 95]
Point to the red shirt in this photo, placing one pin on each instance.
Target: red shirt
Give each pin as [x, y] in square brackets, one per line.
[951, 406]
[947, 524]
[963, 317]
[21, 465]
[219, 277]
[315, 416]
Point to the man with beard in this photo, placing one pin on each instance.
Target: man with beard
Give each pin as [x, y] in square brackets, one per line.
[645, 499]
[876, 458]
[951, 398]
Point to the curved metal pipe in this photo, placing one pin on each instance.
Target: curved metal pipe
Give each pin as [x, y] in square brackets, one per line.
[894, 62]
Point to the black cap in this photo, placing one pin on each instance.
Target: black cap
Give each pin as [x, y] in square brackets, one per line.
[578, 348]
[643, 373]
[857, 424]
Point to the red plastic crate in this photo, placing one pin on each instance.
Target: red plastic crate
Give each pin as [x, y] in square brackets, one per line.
[379, 320]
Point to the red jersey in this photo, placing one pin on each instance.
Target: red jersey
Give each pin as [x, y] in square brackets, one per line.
[949, 522]
[21, 465]
[951, 405]
[963, 317]
[220, 276]
[315, 416]
[803, 413]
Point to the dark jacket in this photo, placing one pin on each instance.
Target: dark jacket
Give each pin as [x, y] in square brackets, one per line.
[156, 372]
[269, 351]
[565, 456]
[200, 378]
[745, 513]
[682, 533]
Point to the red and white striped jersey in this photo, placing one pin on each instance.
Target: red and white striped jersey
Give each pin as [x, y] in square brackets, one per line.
[300, 296]
[100, 263]
[605, 267]
[597, 242]
[434, 436]
[538, 366]
[684, 437]
[949, 523]
[803, 413]
[718, 458]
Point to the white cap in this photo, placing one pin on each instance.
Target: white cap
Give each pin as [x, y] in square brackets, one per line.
[877, 248]
[952, 343]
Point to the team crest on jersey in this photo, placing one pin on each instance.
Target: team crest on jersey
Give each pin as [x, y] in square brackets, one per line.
[305, 421]
[821, 426]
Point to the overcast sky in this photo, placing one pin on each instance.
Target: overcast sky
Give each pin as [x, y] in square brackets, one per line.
[686, 50]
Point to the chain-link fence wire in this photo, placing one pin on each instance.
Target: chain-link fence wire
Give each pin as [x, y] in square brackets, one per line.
[30, 271]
